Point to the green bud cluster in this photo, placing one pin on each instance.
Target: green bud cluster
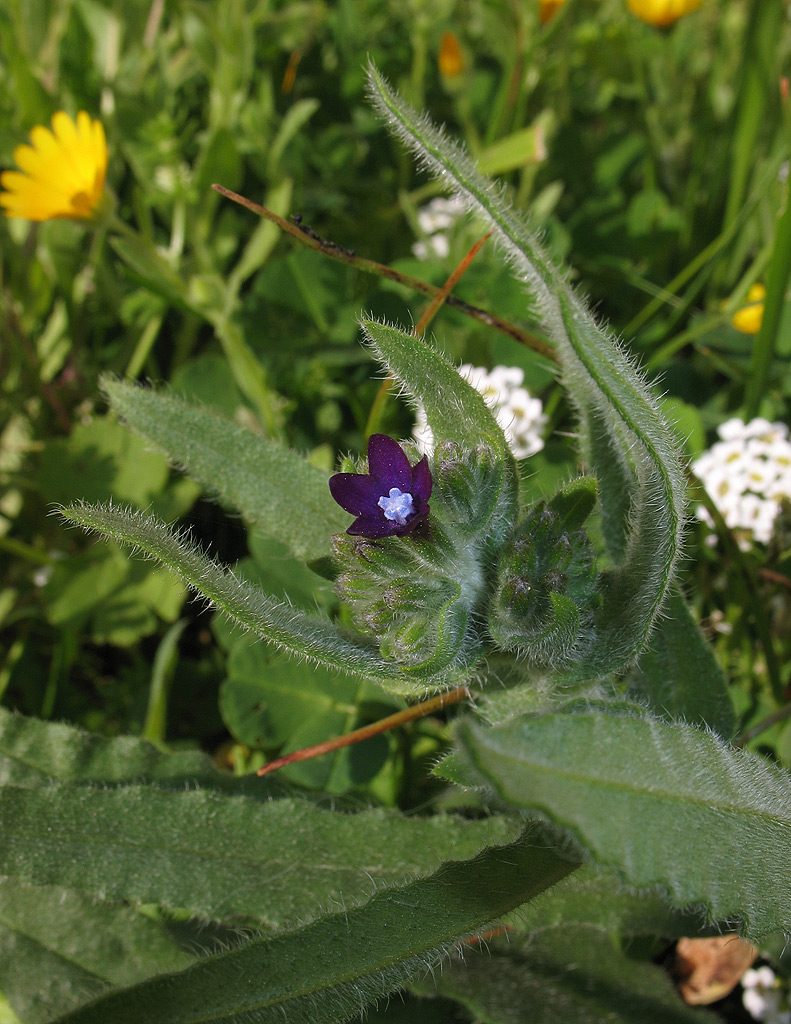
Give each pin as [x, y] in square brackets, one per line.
[472, 493]
[441, 598]
[546, 592]
[398, 590]
[421, 596]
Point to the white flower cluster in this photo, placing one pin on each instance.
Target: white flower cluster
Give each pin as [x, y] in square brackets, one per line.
[764, 997]
[747, 472]
[519, 414]
[433, 219]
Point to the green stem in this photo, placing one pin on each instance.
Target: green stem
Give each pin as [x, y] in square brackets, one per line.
[776, 285]
[155, 726]
[143, 348]
[30, 554]
[759, 55]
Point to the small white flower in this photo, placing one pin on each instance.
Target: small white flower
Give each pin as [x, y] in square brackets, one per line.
[41, 577]
[522, 418]
[746, 473]
[765, 996]
[760, 477]
[437, 216]
[505, 377]
[780, 487]
[730, 430]
[763, 976]
[725, 488]
[754, 1003]
[434, 245]
[732, 453]
[760, 427]
[779, 452]
[479, 378]
[519, 414]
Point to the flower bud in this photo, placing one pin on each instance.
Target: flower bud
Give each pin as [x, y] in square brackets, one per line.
[471, 491]
[547, 582]
[402, 592]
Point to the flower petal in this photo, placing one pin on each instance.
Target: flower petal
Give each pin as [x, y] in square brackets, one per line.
[421, 481]
[356, 493]
[63, 171]
[364, 526]
[387, 464]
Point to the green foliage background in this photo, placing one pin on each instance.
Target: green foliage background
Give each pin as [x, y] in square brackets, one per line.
[654, 162]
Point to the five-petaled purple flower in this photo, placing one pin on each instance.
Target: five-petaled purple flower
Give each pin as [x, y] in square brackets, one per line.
[392, 499]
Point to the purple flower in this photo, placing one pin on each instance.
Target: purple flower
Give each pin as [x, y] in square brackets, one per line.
[392, 499]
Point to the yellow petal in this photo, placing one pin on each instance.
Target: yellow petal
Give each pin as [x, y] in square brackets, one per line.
[549, 8]
[61, 173]
[748, 319]
[451, 58]
[662, 13]
[757, 293]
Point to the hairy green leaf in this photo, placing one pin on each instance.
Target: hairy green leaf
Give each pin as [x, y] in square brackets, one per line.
[679, 675]
[329, 970]
[307, 636]
[596, 896]
[455, 410]
[35, 753]
[567, 974]
[59, 949]
[229, 859]
[285, 496]
[662, 803]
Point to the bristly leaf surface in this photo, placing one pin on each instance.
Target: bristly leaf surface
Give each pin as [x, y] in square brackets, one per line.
[231, 859]
[274, 488]
[662, 803]
[330, 970]
[306, 636]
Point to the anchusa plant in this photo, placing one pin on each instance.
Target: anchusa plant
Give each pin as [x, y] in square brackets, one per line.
[599, 753]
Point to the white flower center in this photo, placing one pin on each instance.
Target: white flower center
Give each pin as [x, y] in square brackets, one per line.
[397, 505]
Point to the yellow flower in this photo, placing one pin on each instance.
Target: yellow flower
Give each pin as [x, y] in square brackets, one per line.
[548, 9]
[451, 57]
[748, 318]
[61, 174]
[662, 12]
